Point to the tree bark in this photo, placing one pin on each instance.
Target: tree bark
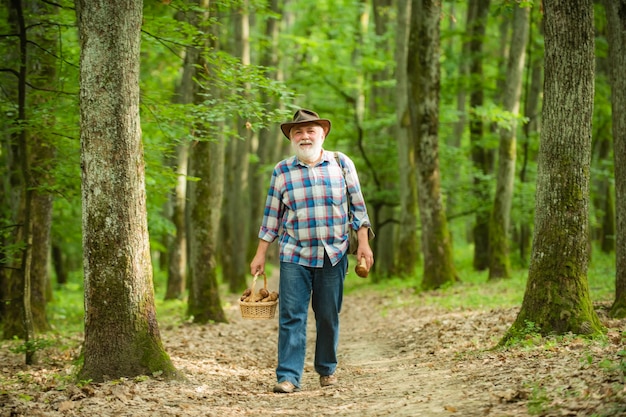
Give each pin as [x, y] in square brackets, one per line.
[122, 336]
[423, 102]
[557, 298]
[499, 256]
[616, 24]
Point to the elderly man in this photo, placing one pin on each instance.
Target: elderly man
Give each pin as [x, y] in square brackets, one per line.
[308, 208]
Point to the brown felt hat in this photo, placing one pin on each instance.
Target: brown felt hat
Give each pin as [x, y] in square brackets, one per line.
[305, 116]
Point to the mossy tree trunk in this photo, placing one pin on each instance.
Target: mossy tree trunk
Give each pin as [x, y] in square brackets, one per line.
[616, 25]
[423, 103]
[557, 298]
[499, 256]
[122, 336]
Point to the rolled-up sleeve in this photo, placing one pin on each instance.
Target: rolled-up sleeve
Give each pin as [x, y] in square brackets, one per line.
[360, 218]
[273, 211]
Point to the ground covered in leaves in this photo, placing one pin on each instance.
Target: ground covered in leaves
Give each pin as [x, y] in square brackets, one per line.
[398, 357]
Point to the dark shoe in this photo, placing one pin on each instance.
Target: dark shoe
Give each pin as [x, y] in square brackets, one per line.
[285, 387]
[328, 380]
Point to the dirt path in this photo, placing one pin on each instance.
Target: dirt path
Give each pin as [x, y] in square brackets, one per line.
[394, 361]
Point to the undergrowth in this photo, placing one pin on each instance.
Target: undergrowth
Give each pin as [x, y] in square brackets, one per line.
[475, 291]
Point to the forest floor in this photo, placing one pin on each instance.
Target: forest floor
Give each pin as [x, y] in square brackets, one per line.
[398, 357]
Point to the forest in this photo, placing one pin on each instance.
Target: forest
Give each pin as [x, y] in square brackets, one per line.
[137, 145]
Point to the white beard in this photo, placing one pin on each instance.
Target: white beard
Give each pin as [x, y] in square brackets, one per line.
[308, 154]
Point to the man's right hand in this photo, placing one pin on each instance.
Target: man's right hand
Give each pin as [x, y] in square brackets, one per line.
[257, 266]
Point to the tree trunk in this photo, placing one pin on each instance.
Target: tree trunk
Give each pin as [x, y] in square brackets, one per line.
[206, 162]
[607, 237]
[408, 246]
[423, 102]
[122, 337]
[602, 198]
[499, 257]
[40, 278]
[557, 299]
[482, 158]
[616, 24]
[10, 307]
[205, 207]
[380, 102]
[18, 319]
[58, 263]
[236, 214]
[237, 206]
[42, 152]
[270, 138]
[462, 82]
[177, 249]
[531, 131]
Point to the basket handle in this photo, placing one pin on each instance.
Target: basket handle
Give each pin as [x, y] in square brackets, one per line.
[253, 287]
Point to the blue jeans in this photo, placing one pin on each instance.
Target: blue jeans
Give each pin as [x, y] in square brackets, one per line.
[299, 285]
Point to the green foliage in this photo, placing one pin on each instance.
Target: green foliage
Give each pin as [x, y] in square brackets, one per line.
[475, 292]
[616, 366]
[528, 336]
[31, 346]
[495, 115]
[537, 403]
[66, 310]
[330, 64]
[11, 252]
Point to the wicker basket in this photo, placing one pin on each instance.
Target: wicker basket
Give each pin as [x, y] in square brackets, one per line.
[260, 309]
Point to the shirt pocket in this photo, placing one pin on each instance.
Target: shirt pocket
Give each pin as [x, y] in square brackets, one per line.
[337, 195]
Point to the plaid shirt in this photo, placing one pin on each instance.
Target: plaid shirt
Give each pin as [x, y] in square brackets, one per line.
[308, 207]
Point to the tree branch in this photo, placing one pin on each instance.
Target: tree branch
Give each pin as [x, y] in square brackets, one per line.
[342, 93]
[52, 54]
[164, 43]
[12, 71]
[34, 87]
[51, 3]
